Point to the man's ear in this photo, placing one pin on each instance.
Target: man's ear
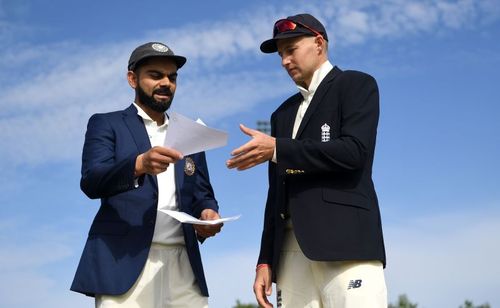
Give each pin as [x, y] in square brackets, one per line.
[132, 79]
[320, 42]
[321, 45]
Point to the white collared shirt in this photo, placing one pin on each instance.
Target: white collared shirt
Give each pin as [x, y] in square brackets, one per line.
[167, 230]
[308, 95]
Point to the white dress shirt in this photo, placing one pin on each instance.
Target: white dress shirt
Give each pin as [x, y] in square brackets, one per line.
[167, 230]
[308, 95]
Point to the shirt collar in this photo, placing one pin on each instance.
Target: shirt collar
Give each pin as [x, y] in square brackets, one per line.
[147, 118]
[317, 78]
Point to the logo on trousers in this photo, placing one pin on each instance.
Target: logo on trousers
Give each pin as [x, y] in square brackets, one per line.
[354, 284]
[279, 299]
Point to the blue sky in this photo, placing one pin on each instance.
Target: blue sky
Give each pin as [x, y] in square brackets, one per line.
[436, 166]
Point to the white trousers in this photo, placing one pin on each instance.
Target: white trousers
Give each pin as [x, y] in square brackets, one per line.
[340, 284]
[167, 281]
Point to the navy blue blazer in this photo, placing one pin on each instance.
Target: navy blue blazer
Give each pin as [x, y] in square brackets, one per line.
[120, 236]
[323, 177]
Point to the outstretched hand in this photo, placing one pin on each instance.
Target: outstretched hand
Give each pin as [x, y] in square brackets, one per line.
[256, 151]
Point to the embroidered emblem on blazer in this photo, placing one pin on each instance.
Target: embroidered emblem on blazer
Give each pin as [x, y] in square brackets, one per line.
[189, 166]
[325, 133]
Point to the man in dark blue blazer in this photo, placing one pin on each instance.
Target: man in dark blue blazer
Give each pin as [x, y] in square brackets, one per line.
[135, 255]
[322, 239]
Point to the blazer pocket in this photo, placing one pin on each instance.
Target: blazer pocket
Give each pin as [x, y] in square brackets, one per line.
[345, 198]
[109, 228]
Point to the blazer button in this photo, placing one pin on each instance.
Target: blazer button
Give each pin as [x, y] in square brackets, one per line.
[282, 216]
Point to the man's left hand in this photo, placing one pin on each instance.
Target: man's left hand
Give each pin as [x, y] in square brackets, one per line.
[206, 231]
[256, 151]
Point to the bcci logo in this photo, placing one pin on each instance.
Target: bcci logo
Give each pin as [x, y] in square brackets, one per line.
[159, 47]
[189, 166]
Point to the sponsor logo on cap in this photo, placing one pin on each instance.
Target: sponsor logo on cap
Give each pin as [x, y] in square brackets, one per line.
[159, 47]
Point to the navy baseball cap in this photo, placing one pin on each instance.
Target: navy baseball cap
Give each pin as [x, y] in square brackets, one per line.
[293, 26]
[153, 49]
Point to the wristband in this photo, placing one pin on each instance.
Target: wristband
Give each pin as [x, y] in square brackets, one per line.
[259, 266]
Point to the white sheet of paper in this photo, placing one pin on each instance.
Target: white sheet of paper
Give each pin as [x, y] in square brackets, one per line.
[186, 218]
[189, 137]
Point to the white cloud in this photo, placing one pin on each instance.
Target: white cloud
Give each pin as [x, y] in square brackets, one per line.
[218, 96]
[443, 260]
[44, 117]
[32, 258]
[45, 106]
[9, 26]
[28, 288]
[357, 21]
[26, 247]
[456, 14]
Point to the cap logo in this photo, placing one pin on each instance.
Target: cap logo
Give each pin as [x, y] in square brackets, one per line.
[159, 47]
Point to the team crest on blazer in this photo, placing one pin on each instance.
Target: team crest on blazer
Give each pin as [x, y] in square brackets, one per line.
[189, 166]
[325, 133]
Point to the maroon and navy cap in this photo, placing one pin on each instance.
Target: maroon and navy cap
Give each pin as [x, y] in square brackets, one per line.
[293, 26]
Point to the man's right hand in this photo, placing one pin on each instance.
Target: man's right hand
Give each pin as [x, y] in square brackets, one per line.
[262, 287]
[156, 160]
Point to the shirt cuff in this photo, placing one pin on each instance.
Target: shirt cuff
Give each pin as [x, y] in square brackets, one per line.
[275, 156]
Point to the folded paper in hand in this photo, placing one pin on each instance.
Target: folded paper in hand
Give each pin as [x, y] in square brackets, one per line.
[186, 218]
[189, 137]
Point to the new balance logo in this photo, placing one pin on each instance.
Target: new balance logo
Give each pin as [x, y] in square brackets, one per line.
[279, 298]
[354, 284]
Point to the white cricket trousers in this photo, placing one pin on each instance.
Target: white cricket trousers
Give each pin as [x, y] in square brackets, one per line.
[167, 281]
[339, 284]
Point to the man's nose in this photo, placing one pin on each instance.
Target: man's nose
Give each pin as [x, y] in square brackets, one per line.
[165, 81]
[285, 61]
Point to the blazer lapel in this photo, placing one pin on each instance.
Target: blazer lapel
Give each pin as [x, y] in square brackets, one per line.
[179, 180]
[136, 127]
[289, 116]
[179, 175]
[318, 97]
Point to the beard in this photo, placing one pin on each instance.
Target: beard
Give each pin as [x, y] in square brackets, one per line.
[151, 102]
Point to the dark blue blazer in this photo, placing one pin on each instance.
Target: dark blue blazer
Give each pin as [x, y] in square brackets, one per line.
[325, 183]
[120, 236]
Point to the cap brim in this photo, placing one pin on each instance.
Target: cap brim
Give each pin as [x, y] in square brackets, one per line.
[179, 60]
[269, 46]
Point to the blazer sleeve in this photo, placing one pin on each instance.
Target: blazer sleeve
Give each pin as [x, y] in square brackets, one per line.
[359, 112]
[103, 174]
[268, 231]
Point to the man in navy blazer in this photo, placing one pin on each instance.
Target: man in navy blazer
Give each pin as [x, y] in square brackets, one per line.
[322, 240]
[135, 255]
